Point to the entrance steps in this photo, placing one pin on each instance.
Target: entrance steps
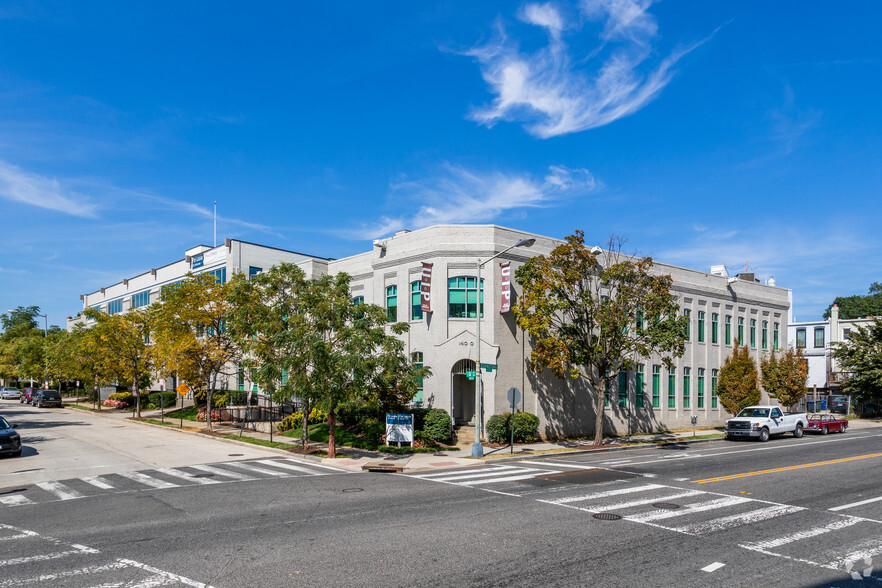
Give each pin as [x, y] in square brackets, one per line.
[464, 434]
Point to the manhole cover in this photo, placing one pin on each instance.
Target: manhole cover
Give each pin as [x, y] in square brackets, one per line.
[353, 489]
[607, 516]
[666, 505]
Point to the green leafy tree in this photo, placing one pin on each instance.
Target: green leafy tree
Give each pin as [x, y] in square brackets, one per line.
[859, 306]
[784, 377]
[22, 345]
[738, 383]
[591, 314]
[191, 338]
[861, 355]
[309, 340]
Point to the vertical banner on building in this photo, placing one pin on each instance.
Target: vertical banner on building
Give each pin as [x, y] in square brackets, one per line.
[505, 305]
[426, 288]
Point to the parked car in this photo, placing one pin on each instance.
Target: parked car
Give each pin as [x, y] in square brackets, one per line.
[838, 404]
[10, 441]
[27, 395]
[7, 393]
[46, 398]
[826, 423]
[761, 422]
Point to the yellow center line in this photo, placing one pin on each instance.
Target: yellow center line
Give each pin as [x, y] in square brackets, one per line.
[784, 469]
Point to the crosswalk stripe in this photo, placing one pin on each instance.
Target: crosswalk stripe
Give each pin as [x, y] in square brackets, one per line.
[866, 552]
[320, 465]
[222, 472]
[736, 520]
[16, 500]
[556, 464]
[44, 556]
[485, 474]
[644, 501]
[651, 516]
[288, 466]
[147, 480]
[176, 473]
[59, 490]
[445, 474]
[596, 495]
[45, 578]
[98, 482]
[799, 535]
[152, 582]
[514, 478]
[252, 468]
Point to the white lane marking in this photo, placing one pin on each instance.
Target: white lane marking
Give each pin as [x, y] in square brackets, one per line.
[45, 579]
[488, 474]
[11, 537]
[633, 503]
[153, 582]
[514, 478]
[595, 495]
[692, 508]
[798, 536]
[44, 556]
[617, 462]
[279, 464]
[169, 575]
[252, 468]
[222, 472]
[866, 551]
[558, 464]
[713, 567]
[147, 480]
[737, 520]
[319, 465]
[61, 491]
[176, 473]
[98, 482]
[462, 472]
[853, 504]
[16, 500]
[681, 479]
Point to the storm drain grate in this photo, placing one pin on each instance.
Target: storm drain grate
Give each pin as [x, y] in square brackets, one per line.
[666, 505]
[607, 516]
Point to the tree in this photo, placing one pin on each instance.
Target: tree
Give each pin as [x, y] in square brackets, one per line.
[861, 355]
[309, 340]
[124, 339]
[591, 314]
[191, 337]
[738, 382]
[853, 307]
[784, 377]
[21, 344]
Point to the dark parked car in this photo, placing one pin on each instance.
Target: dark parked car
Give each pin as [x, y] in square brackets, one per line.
[46, 398]
[10, 441]
[838, 404]
[27, 394]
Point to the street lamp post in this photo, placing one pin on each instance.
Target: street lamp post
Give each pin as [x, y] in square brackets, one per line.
[477, 448]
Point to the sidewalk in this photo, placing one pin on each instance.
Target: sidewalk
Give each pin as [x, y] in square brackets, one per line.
[360, 459]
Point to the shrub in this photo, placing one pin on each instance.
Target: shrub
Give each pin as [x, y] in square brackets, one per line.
[125, 397]
[423, 439]
[526, 427]
[371, 429]
[292, 421]
[499, 428]
[437, 425]
[203, 414]
[167, 399]
[113, 403]
[350, 414]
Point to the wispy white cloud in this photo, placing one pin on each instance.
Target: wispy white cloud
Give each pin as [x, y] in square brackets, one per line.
[43, 192]
[458, 195]
[553, 92]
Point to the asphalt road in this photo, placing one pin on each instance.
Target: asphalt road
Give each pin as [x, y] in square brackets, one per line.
[790, 512]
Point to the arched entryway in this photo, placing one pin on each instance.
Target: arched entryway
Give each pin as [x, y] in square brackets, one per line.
[462, 392]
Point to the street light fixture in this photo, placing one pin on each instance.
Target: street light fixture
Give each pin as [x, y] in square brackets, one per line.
[477, 448]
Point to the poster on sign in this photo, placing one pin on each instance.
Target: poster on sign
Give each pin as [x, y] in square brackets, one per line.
[505, 305]
[426, 288]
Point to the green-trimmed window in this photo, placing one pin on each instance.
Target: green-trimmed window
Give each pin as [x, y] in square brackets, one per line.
[775, 340]
[753, 332]
[416, 358]
[284, 377]
[688, 314]
[357, 300]
[392, 303]
[800, 338]
[714, 374]
[700, 393]
[114, 307]
[727, 328]
[623, 389]
[687, 375]
[701, 326]
[638, 386]
[240, 378]
[765, 335]
[715, 327]
[656, 386]
[606, 392]
[141, 299]
[741, 330]
[220, 275]
[254, 380]
[416, 308]
[672, 388]
[462, 297]
[639, 319]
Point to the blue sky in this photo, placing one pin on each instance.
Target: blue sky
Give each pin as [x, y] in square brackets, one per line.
[704, 132]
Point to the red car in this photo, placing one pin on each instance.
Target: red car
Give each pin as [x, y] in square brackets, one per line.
[27, 394]
[826, 423]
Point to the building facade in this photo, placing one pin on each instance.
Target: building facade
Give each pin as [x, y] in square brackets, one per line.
[429, 279]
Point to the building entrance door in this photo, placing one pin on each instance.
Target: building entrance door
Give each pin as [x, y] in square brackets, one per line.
[463, 392]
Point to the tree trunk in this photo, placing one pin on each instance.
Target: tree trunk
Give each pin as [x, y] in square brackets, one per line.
[136, 392]
[209, 396]
[304, 440]
[598, 411]
[332, 441]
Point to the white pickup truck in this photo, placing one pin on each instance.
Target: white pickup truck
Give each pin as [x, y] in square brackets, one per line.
[761, 422]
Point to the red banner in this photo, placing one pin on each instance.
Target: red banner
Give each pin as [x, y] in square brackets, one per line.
[505, 305]
[426, 288]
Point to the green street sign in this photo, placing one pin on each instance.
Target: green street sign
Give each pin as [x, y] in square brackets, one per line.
[489, 366]
[471, 375]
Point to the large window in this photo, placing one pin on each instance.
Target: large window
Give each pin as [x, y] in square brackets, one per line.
[715, 328]
[416, 309]
[800, 338]
[638, 387]
[753, 332]
[253, 271]
[357, 300]
[741, 330]
[819, 336]
[775, 339]
[417, 360]
[728, 330]
[114, 307]
[656, 386]
[714, 374]
[623, 389]
[765, 335]
[220, 275]
[701, 326]
[700, 394]
[687, 375]
[672, 388]
[141, 299]
[462, 297]
[392, 303]
[688, 314]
